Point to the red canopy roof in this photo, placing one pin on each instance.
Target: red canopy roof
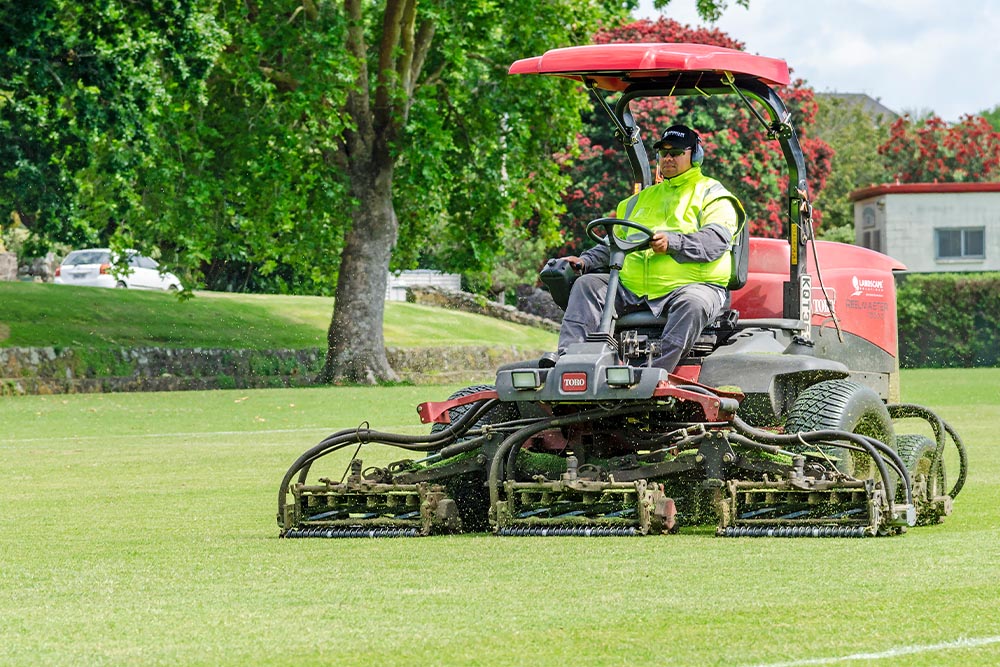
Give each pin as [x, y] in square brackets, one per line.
[614, 66]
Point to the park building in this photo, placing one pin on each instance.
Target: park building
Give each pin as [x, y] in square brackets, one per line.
[931, 227]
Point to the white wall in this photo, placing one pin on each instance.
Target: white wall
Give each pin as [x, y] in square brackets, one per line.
[396, 287]
[907, 222]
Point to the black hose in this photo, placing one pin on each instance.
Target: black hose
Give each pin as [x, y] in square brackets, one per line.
[347, 437]
[874, 448]
[416, 443]
[963, 461]
[747, 442]
[870, 446]
[520, 436]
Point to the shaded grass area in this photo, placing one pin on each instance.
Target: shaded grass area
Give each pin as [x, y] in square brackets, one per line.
[139, 529]
[67, 316]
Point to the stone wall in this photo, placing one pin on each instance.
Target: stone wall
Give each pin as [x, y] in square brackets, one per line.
[8, 266]
[47, 370]
[474, 303]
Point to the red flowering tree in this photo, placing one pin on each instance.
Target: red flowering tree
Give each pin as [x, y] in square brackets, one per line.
[738, 152]
[931, 150]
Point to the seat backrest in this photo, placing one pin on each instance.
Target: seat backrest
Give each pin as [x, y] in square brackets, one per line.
[741, 258]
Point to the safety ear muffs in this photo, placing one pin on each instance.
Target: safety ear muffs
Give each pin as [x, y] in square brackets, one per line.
[698, 154]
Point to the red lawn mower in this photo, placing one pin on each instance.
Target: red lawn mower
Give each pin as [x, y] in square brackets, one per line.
[781, 422]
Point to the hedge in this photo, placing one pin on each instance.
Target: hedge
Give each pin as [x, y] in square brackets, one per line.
[949, 320]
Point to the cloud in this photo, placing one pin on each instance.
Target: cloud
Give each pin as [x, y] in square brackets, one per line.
[914, 55]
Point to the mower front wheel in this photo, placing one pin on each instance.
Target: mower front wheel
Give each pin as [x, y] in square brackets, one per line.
[501, 413]
[918, 453]
[468, 489]
[843, 405]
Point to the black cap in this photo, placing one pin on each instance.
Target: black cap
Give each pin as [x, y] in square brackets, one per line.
[677, 136]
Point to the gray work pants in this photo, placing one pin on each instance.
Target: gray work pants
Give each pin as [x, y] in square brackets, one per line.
[688, 310]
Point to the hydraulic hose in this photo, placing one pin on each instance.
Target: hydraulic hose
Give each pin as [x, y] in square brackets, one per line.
[878, 451]
[416, 443]
[518, 438]
[346, 437]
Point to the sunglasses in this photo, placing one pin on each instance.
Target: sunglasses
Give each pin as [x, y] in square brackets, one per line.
[673, 152]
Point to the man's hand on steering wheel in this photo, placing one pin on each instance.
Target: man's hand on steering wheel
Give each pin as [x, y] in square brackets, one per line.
[659, 242]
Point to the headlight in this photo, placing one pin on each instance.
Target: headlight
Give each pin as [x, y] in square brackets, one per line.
[620, 376]
[529, 379]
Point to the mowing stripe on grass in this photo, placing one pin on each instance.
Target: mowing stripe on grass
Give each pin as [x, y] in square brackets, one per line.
[188, 434]
[963, 643]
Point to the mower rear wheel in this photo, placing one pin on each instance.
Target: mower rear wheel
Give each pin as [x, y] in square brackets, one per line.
[843, 405]
[917, 452]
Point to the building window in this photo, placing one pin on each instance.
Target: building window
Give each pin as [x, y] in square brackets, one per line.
[872, 240]
[967, 243]
[868, 217]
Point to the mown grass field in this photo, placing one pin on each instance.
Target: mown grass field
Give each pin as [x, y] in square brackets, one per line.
[68, 316]
[138, 529]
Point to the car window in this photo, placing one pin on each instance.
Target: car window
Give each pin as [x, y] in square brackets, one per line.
[145, 262]
[87, 257]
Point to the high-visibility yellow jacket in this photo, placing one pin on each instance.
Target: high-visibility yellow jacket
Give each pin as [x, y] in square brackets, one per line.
[683, 205]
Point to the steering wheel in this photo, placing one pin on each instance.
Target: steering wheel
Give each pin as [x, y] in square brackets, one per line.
[615, 243]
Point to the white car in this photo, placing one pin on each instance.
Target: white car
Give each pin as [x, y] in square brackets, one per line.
[100, 267]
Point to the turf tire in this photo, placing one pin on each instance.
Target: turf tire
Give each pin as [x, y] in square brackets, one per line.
[917, 452]
[843, 405]
[469, 491]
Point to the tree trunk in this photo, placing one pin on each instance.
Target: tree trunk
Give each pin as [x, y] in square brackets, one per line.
[356, 344]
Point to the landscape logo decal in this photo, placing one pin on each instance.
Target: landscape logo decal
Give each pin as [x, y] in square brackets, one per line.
[867, 286]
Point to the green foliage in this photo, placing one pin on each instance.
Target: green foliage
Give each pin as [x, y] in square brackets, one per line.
[476, 161]
[246, 182]
[211, 134]
[949, 320]
[854, 136]
[83, 91]
[992, 116]
[710, 10]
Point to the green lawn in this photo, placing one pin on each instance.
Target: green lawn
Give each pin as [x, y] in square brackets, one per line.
[139, 529]
[67, 316]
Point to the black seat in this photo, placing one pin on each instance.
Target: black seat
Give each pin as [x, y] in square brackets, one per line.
[645, 320]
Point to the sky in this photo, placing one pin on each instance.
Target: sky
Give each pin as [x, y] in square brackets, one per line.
[912, 55]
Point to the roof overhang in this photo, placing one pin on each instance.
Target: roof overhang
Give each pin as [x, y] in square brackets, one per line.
[617, 66]
[921, 189]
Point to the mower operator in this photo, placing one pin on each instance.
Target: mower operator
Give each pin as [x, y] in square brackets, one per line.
[684, 272]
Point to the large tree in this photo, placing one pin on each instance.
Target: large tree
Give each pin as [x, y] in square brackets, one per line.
[479, 157]
[276, 145]
[473, 162]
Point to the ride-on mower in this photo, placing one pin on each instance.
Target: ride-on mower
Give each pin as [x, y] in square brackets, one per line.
[781, 422]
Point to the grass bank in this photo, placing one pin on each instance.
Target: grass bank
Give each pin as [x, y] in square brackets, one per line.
[45, 315]
[140, 530]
